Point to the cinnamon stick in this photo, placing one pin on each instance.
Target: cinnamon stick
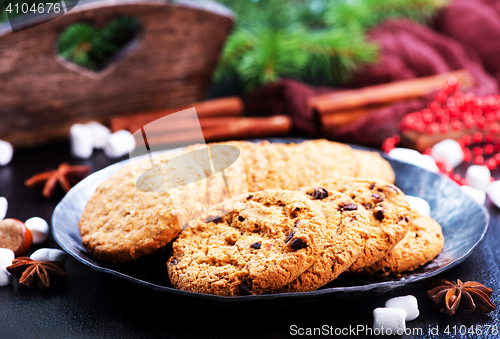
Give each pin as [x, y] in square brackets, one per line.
[247, 128]
[222, 107]
[239, 128]
[385, 93]
[345, 117]
[182, 124]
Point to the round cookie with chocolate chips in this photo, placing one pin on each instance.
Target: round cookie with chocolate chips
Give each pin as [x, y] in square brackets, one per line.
[389, 214]
[251, 244]
[422, 243]
[346, 233]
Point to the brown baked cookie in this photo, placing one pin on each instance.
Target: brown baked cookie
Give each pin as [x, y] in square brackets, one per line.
[346, 233]
[225, 171]
[121, 222]
[422, 243]
[256, 165]
[371, 166]
[286, 167]
[246, 174]
[326, 160]
[248, 245]
[306, 164]
[389, 214]
[311, 162]
[292, 166]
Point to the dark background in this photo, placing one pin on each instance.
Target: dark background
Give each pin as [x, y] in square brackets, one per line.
[91, 304]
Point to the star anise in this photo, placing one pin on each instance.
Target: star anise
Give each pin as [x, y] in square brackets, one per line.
[65, 177]
[470, 296]
[43, 272]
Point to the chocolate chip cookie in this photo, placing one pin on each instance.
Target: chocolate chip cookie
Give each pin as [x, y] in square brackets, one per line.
[422, 243]
[251, 244]
[346, 233]
[389, 214]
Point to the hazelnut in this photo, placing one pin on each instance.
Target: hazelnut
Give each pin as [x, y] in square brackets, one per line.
[15, 236]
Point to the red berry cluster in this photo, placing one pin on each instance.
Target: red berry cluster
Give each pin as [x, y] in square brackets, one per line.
[479, 146]
[475, 149]
[455, 110]
[452, 110]
[390, 143]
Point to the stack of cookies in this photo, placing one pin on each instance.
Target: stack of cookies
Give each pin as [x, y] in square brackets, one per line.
[307, 213]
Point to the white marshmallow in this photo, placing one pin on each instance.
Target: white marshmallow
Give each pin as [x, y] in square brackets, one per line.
[3, 207]
[476, 194]
[82, 141]
[449, 150]
[100, 134]
[429, 163]
[49, 254]
[6, 257]
[407, 303]
[6, 152]
[413, 157]
[5, 277]
[119, 144]
[39, 229]
[389, 320]
[478, 177]
[420, 205]
[494, 192]
[404, 154]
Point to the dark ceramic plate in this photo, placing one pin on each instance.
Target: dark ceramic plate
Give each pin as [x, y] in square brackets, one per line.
[464, 224]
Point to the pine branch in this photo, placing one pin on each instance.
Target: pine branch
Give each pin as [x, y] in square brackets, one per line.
[236, 46]
[77, 44]
[336, 54]
[270, 42]
[368, 13]
[278, 53]
[315, 40]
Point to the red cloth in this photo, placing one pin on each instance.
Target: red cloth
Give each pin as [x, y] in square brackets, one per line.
[475, 24]
[288, 96]
[407, 50]
[410, 50]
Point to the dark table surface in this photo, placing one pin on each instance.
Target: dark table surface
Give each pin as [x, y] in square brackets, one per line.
[91, 304]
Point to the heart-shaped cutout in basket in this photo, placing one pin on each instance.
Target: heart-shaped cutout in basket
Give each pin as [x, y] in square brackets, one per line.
[91, 51]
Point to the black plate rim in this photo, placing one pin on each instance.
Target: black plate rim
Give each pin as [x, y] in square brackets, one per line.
[321, 292]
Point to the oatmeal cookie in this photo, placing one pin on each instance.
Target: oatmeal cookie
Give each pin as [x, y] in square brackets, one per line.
[389, 214]
[121, 223]
[287, 168]
[326, 160]
[422, 243]
[311, 162]
[244, 167]
[371, 166]
[347, 231]
[248, 245]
